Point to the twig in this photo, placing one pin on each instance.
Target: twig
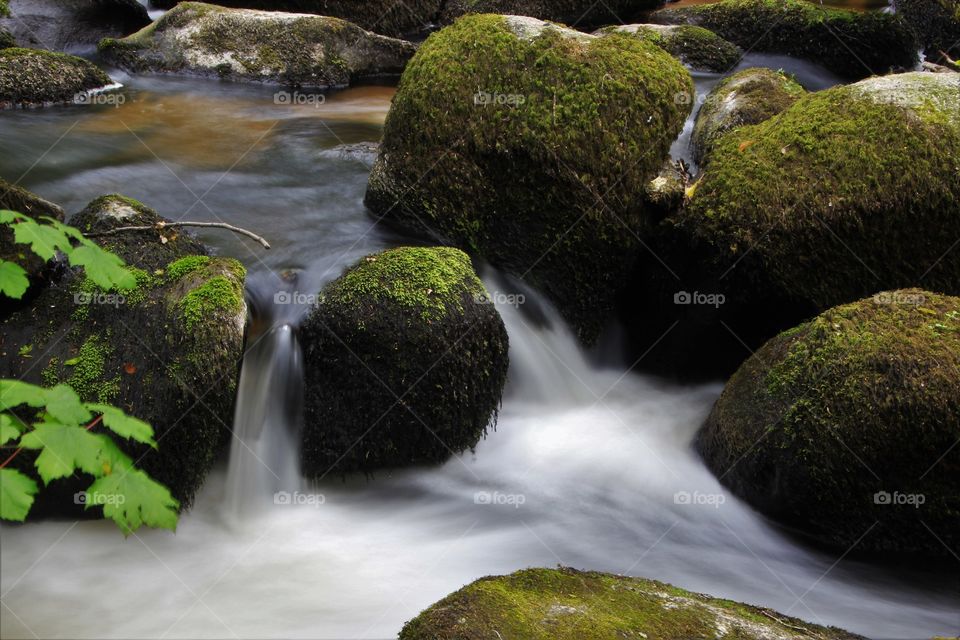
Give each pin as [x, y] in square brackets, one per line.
[786, 624]
[162, 225]
[950, 62]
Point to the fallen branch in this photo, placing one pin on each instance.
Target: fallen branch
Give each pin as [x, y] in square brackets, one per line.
[949, 62]
[162, 225]
[788, 625]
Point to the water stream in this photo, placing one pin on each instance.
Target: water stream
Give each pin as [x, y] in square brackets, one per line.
[588, 466]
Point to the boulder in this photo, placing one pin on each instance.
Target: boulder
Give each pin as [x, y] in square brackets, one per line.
[405, 362]
[258, 46]
[167, 352]
[936, 24]
[534, 151]
[566, 604]
[39, 271]
[33, 78]
[840, 427]
[748, 97]
[851, 44]
[388, 17]
[696, 47]
[581, 14]
[849, 191]
[71, 25]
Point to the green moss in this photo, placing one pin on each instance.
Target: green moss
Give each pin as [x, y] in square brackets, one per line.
[31, 77]
[184, 266]
[850, 43]
[88, 371]
[518, 181]
[558, 604]
[697, 47]
[582, 14]
[216, 295]
[430, 281]
[4, 8]
[51, 373]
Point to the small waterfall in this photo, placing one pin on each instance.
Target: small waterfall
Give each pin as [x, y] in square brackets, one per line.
[264, 458]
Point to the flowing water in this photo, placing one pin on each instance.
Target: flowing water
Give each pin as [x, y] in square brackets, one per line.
[589, 466]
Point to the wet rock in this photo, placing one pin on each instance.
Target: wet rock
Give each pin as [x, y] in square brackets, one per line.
[580, 14]
[404, 360]
[849, 43]
[567, 604]
[541, 169]
[696, 47]
[936, 24]
[71, 25]
[839, 426]
[33, 78]
[258, 46]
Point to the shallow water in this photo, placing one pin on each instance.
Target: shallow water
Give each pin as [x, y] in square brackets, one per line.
[588, 467]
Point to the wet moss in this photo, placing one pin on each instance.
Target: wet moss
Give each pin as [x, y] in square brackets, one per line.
[31, 77]
[699, 48]
[183, 266]
[849, 43]
[87, 371]
[581, 14]
[213, 296]
[535, 151]
[858, 402]
[404, 363]
[563, 603]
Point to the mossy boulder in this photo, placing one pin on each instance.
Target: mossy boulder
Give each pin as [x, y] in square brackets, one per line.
[33, 78]
[405, 362]
[852, 44]
[581, 14]
[533, 151]
[388, 17]
[936, 24]
[747, 97]
[696, 47]
[851, 190]
[258, 46]
[841, 427]
[39, 271]
[566, 604]
[71, 25]
[167, 351]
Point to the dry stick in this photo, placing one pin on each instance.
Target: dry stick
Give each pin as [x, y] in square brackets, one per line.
[161, 225]
[786, 624]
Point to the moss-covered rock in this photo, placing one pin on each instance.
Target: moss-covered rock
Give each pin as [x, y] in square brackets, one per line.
[849, 191]
[70, 25]
[696, 47]
[563, 603]
[405, 363]
[167, 351]
[582, 14]
[748, 97]
[534, 150]
[850, 43]
[258, 46]
[936, 24]
[840, 426]
[33, 78]
[39, 271]
[388, 17]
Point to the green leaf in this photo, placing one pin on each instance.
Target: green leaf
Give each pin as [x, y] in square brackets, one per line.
[64, 405]
[13, 280]
[14, 393]
[123, 425]
[10, 427]
[65, 448]
[16, 495]
[144, 501]
[104, 268]
[7, 216]
[43, 239]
